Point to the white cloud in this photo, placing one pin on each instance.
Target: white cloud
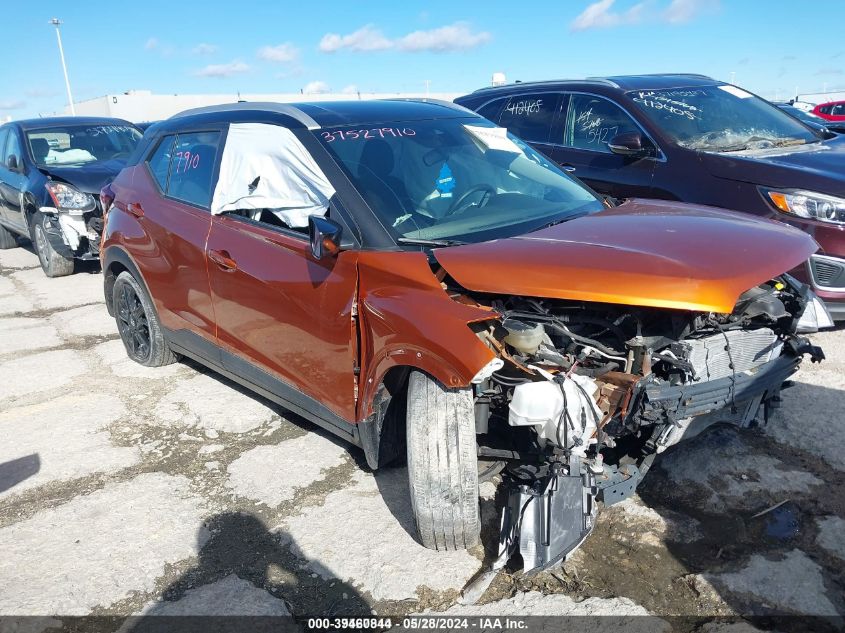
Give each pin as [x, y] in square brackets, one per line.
[453, 37]
[151, 44]
[204, 49]
[367, 38]
[223, 70]
[682, 11]
[280, 54]
[316, 87]
[13, 104]
[601, 14]
[351, 89]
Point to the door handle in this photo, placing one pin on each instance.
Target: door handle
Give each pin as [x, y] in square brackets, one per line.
[135, 208]
[223, 260]
[567, 168]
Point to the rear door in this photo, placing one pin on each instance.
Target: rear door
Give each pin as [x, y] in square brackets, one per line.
[579, 142]
[170, 197]
[531, 117]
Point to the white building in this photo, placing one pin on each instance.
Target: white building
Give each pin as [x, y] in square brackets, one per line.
[142, 105]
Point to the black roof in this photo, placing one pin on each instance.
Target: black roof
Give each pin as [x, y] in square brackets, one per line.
[64, 121]
[658, 81]
[619, 82]
[315, 115]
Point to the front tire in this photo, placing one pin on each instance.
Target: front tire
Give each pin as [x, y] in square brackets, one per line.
[138, 324]
[53, 263]
[7, 239]
[442, 464]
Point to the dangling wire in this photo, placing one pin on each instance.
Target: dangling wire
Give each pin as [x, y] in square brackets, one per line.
[733, 371]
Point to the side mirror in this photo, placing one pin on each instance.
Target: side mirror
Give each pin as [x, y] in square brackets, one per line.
[325, 236]
[12, 163]
[627, 144]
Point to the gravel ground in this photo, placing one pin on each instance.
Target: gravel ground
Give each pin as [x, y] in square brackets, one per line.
[126, 490]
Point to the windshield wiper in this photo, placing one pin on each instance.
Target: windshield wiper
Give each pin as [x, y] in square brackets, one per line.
[560, 221]
[423, 242]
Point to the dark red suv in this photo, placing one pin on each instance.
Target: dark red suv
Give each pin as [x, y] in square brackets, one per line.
[418, 281]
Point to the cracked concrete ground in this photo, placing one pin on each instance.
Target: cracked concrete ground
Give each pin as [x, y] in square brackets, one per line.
[126, 490]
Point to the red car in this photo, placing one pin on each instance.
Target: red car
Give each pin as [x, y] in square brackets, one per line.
[832, 110]
[419, 282]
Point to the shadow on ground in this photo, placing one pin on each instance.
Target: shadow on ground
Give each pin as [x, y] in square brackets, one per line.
[18, 470]
[245, 577]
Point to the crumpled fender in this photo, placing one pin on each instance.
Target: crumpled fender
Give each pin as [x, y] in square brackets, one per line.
[407, 319]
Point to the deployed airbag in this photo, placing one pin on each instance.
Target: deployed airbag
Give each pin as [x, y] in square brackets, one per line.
[266, 167]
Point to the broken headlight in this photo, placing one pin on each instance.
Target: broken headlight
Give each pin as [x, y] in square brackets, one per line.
[68, 198]
[807, 204]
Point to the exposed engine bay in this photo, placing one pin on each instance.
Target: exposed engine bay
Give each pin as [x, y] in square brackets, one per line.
[586, 395]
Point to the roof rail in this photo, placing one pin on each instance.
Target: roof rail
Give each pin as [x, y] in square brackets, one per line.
[545, 82]
[261, 106]
[662, 75]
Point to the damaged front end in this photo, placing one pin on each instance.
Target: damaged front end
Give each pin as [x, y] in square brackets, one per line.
[588, 395]
[74, 221]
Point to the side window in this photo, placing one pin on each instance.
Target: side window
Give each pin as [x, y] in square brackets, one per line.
[491, 110]
[4, 133]
[530, 116]
[839, 109]
[159, 162]
[825, 109]
[13, 148]
[592, 122]
[192, 167]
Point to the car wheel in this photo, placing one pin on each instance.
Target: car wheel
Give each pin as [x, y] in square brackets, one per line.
[7, 239]
[53, 263]
[138, 324]
[442, 464]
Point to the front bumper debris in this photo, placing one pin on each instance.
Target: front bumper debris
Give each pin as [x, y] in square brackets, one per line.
[546, 519]
[549, 519]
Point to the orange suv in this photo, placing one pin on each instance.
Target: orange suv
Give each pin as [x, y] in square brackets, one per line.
[420, 282]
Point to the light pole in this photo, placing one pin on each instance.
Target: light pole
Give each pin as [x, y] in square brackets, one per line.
[56, 22]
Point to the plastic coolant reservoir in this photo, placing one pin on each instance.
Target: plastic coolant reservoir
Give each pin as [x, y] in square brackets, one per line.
[523, 337]
[541, 404]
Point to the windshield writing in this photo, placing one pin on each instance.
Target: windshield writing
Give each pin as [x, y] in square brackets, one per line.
[452, 179]
[75, 145]
[720, 118]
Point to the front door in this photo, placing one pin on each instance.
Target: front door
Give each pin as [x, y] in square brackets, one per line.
[12, 182]
[580, 148]
[286, 312]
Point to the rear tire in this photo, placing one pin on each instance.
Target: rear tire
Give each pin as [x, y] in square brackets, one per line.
[53, 263]
[7, 239]
[138, 324]
[442, 464]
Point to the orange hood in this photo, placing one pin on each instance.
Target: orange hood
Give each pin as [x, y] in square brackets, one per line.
[644, 252]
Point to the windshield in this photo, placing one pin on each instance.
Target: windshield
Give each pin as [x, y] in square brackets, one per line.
[80, 144]
[720, 118]
[454, 179]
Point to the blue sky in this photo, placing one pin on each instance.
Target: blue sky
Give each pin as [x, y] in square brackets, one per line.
[388, 46]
